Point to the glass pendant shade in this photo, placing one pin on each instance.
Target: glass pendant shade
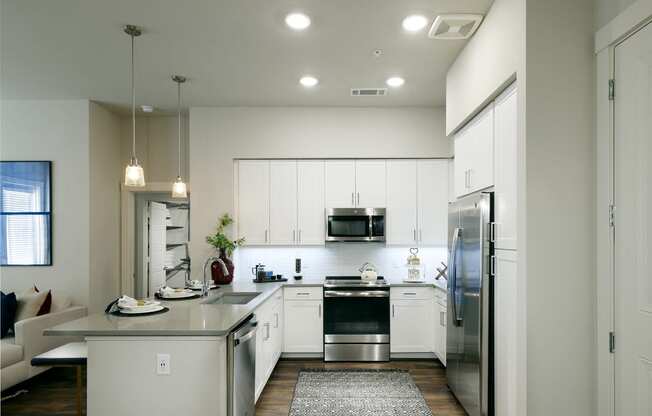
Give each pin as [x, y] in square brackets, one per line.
[134, 174]
[179, 189]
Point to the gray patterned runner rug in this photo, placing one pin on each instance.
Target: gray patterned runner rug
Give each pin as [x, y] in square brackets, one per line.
[357, 393]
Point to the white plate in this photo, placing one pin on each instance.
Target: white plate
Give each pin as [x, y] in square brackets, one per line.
[141, 310]
[213, 286]
[177, 295]
[148, 305]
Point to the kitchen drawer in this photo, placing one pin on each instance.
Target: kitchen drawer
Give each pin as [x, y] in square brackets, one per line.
[304, 293]
[410, 292]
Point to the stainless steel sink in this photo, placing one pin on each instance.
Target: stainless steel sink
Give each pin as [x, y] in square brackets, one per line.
[233, 298]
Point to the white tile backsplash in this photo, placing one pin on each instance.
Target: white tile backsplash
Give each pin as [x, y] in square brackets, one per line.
[335, 259]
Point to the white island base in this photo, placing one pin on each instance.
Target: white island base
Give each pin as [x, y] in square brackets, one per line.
[123, 376]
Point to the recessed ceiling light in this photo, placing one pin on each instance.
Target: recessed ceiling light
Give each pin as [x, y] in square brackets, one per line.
[308, 81]
[297, 21]
[147, 108]
[415, 23]
[395, 82]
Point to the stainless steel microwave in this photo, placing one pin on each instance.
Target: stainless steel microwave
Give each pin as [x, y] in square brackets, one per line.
[355, 224]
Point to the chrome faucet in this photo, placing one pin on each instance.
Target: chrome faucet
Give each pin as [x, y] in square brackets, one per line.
[206, 286]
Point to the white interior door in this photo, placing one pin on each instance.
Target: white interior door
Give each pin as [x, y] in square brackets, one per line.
[157, 241]
[283, 202]
[340, 183]
[402, 202]
[432, 202]
[633, 225]
[370, 184]
[310, 201]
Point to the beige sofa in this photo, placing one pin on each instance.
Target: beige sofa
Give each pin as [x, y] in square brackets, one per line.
[17, 352]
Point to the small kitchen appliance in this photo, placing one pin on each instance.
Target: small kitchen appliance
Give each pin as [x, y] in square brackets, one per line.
[355, 224]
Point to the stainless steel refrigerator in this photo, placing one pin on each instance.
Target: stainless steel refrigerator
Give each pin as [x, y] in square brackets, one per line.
[469, 343]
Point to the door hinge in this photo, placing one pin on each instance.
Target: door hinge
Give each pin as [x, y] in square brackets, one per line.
[612, 89]
[612, 342]
[612, 215]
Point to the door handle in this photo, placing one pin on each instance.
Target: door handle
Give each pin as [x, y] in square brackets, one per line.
[268, 335]
[453, 277]
[299, 236]
[392, 310]
[266, 233]
[414, 234]
[320, 310]
[276, 317]
[352, 199]
[358, 203]
[294, 236]
[442, 320]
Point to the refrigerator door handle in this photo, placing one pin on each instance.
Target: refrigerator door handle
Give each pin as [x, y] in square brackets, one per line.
[453, 276]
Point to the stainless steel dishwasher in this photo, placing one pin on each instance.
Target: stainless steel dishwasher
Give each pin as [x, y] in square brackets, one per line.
[241, 369]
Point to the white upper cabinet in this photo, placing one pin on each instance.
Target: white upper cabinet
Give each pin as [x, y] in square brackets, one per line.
[340, 184]
[474, 154]
[253, 201]
[506, 133]
[283, 202]
[451, 181]
[432, 202]
[370, 184]
[402, 202]
[310, 202]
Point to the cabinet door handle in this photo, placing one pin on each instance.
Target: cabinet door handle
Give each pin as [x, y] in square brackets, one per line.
[392, 310]
[320, 310]
[268, 335]
[420, 234]
[410, 293]
[294, 236]
[266, 232]
[442, 320]
[414, 234]
[470, 170]
[299, 236]
[352, 199]
[276, 317]
[358, 204]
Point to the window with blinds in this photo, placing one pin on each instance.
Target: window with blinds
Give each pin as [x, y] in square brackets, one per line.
[25, 213]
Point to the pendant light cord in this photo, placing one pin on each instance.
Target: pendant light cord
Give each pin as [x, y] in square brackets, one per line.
[179, 115]
[133, 103]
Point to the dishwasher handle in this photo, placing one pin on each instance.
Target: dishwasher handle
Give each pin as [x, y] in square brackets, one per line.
[246, 336]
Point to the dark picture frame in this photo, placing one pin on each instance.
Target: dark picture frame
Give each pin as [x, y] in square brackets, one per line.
[26, 192]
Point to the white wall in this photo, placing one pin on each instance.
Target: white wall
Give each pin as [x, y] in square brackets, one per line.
[156, 146]
[490, 59]
[219, 135]
[560, 215]
[105, 176]
[605, 10]
[56, 131]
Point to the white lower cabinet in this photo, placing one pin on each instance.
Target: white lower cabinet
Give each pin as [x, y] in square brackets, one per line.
[440, 325]
[269, 338]
[411, 324]
[304, 327]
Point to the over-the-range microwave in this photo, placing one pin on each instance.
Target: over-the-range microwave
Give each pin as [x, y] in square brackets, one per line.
[355, 224]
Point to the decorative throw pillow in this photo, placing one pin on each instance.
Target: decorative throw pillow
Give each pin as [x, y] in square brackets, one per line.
[60, 303]
[46, 306]
[7, 312]
[30, 303]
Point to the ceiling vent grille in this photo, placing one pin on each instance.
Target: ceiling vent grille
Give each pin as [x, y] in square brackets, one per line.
[454, 26]
[368, 92]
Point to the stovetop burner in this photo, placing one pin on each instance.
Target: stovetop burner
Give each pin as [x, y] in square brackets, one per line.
[352, 281]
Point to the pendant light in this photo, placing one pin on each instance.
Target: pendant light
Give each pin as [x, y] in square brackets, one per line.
[179, 186]
[134, 174]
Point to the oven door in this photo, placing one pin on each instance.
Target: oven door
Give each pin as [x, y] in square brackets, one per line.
[356, 316]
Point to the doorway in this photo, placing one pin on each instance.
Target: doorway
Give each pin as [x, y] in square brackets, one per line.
[632, 225]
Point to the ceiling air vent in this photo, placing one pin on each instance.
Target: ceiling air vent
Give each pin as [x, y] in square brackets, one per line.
[368, 92]
[454, 26]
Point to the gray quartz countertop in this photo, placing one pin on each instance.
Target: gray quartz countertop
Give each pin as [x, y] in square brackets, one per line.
[194, 317]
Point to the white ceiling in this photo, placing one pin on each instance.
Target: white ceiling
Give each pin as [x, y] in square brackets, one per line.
[234, 52]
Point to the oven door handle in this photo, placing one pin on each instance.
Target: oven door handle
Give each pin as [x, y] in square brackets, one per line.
[356, 294]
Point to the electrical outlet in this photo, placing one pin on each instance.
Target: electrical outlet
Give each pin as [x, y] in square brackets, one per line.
[163, 364]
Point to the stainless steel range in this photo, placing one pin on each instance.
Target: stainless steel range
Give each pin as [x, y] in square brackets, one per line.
[356, 319]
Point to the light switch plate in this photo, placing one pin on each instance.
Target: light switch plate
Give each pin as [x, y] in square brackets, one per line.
[163, 364]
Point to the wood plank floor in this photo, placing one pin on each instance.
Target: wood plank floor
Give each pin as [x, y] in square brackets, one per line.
[53, 392]
[429, 376]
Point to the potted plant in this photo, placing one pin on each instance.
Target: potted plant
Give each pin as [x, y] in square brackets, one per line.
[223, 268]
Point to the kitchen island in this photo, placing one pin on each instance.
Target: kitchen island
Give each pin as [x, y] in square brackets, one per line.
[124, 353]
